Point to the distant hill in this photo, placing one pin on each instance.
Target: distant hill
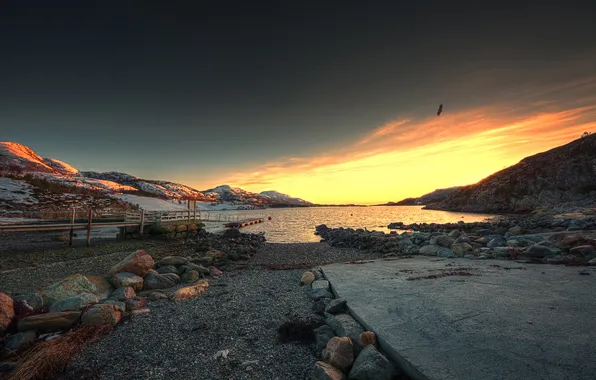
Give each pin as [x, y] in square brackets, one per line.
[563, 177]
[29, 180]
[436, 196]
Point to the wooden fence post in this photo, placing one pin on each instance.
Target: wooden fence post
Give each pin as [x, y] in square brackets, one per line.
[72, 220]
[89, 216]
[142, 224]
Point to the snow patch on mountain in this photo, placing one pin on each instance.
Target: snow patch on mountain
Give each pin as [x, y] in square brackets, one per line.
[283, 198]
[16, 191]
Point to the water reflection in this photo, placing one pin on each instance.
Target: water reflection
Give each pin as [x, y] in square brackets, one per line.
[289, 225]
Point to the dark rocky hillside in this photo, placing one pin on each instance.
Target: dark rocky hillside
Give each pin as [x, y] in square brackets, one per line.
[561, 179]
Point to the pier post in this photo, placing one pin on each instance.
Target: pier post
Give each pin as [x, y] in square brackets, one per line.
[89, 216]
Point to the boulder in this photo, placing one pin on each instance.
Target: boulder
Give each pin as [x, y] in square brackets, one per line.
[18, 342]
[497, 242]
[318, 307]
[320, 284]
[191, 266]
[74, 303]
[6, 312]
[102, 286]
[336, 306]
[325, 371]
[541, 250]
[173, 260]
[69, 287]
[372, 365]
[119, 304]
[462, 249]
[22, 309]
[127, 279]
[154, 295]
[429, 250]
[34, 300]
[197, 289]
[454, 234]
[322, 336]
[101, 314]
[317, 294]
[443, 241]
[49, 322]
[345, 325]
[138, 262]
[502, 252]
[135, 304]
[445, 252]
[592, 262]
[154, 280]
[516, 230]
[583, 251]
[339, 352]
[300, 328]
[368, 337]
[307, 278]
[122, 294]
[167, 269]
[190, 276]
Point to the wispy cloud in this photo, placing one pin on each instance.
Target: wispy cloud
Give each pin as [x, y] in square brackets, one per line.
[497, 135]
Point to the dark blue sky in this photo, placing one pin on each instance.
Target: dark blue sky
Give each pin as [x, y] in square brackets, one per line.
[212, 88]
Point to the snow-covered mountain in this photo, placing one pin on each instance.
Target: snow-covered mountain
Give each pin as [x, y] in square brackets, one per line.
[45, 181]
[278, 197]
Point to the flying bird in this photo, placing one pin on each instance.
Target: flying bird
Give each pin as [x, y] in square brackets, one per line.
[440, 110]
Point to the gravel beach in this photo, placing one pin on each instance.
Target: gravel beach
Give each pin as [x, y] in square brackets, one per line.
[240, 312]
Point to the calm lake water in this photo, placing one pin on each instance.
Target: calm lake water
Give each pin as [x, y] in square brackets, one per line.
[295, 225]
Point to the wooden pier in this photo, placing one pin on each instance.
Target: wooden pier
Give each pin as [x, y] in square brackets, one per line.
[243, 223]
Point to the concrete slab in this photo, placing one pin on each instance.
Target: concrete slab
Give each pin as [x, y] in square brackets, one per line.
[455, 319]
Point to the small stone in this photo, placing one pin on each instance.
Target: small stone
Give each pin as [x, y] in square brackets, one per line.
[138, 262]
[190, 276]
[74, 303]
[173, 260]
[307, 278]
[214, 272]
[122, 294]
[140, 311]
[50, 321]
[542, 250]
[372, 365]
[317, 294]
[154, 280]
[368, 337]
[197, 289]
[155, 296]
[325, 371]
[337, 305]
[516, 230]
[322, 336]
[339, 353]
[127, 279]
[135, 304]
[592, 262]
[454, 234]
[502, 252]
[445, 252]
[101, 314]
[320, 284]
[470, 257]
[6, 312]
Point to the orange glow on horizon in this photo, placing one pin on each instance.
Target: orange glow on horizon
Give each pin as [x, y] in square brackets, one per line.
[408, 157]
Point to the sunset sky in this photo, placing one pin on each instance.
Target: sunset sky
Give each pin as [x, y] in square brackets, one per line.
[329, 102]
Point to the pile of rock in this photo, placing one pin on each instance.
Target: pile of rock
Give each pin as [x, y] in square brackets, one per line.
[77, 299]
[236, 245]
[469, 240]
[341, 343]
